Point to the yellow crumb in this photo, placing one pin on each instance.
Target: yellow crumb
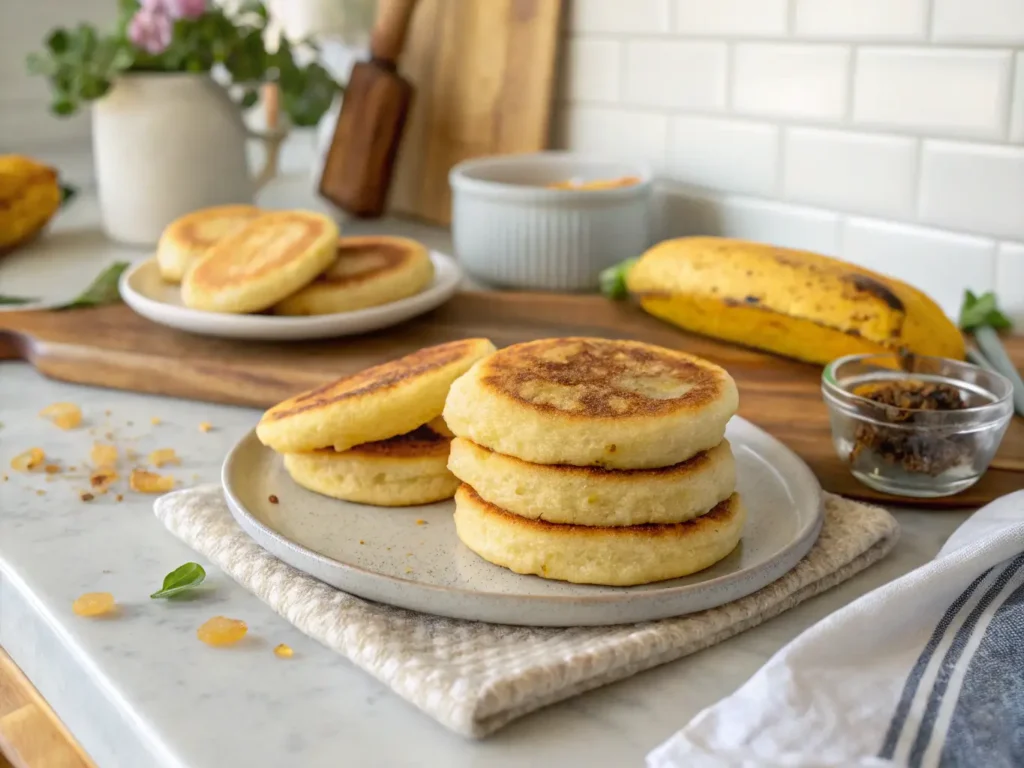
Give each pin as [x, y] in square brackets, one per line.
[28, 460]
[40, 492]
[150, 482]
[421, 522]
[103, 455]
[154, 421]
[51, 469]
[408, 570]
[119, 497]
[94, 604]
[101, 479]
[205, 426]
[360, 541]
[63, 415]
[84, 496]
[163, 456]
[283, 651]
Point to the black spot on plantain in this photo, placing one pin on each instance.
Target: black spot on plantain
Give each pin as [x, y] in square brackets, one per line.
[875, 288]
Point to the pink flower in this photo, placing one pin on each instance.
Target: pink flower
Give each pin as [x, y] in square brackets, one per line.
[151, 29]
[186, 9]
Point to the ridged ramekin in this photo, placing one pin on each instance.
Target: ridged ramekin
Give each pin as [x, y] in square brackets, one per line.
[511, 231]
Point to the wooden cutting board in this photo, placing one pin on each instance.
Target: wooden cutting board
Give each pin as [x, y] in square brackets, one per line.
[483, 74]
[113, 347]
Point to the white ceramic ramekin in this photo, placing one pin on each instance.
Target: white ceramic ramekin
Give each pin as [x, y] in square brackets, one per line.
[511, 231]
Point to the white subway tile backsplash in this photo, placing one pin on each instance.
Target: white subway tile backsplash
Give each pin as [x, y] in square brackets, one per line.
[973, 21]
[676, 74]
[724, 154]
[861, 19]
[591, 70]
[613, 133]
[603, 16]
[973, 187]
[861, 172]
[731, 17]
[942, 264]
[1010, 281]
[1017, 107]
[807, 81]
[788, 226]
[943, 91]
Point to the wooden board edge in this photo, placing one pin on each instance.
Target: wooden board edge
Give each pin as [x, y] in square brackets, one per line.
[31, 734]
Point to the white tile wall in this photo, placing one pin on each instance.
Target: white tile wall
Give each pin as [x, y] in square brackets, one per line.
[933, 91]
[973, 187]
[861, 19]
[1017, 117]
[1010, 279]
[851, 171]
[985, 21]
[615, 133]
[591, 70]
[638, 16]
[675, 74]
[923, 257]
[799, 81]
[725, 154]
[731, 17]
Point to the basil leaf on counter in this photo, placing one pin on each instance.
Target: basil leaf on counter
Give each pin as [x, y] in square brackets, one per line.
[181, 579]
[103, 289]
[13, 301]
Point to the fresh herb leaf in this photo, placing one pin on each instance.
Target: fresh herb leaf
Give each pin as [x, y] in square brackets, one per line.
[103, 290]
[67, 192]
[13, 301]
[978, 311]
[613, 279]
[179, 580]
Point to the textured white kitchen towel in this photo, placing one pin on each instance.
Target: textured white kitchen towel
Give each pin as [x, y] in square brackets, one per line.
[927, 670]
[473, 677]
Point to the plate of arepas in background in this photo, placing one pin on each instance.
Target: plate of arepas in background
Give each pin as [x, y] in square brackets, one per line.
[241, 272]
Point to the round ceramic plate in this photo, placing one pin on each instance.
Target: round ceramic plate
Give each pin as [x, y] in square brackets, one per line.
[144, 291]
[385, 555]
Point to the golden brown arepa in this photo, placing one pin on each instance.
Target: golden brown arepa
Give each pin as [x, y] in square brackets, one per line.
[367, 272]
[593, 402]
[619, 556]
[562, 493]
[266, 260]
[187, 239]
[377, 403]
[401, 471]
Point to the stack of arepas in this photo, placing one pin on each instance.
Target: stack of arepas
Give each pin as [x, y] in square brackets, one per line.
[595, 461]
[240, 259]
[375, 437]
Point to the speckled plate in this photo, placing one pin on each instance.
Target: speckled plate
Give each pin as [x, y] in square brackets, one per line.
[145, 292]
[386, 555]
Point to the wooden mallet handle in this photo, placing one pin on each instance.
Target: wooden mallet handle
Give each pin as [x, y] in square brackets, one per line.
[389, 31]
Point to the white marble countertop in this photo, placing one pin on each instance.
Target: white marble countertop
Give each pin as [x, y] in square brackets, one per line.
[140, 690]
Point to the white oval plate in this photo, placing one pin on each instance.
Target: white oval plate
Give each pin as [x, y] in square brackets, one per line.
[145, 292]
[382, 554]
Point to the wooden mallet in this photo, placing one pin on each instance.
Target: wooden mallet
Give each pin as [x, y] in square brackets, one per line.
[358, 166]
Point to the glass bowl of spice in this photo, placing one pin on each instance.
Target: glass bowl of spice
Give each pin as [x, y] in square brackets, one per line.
[912, 425]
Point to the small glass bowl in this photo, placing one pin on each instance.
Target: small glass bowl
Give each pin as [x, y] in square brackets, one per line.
[916, 452]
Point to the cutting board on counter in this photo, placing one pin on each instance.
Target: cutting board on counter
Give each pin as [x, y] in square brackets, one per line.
[113, 347]
[483, 74]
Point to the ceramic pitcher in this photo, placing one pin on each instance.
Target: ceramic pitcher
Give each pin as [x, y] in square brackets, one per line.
[165, 145]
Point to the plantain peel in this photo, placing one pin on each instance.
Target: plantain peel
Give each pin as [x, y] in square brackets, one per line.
[29, 197]
[793, 303]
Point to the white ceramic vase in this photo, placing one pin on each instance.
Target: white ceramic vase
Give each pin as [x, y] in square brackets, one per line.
[165, 145]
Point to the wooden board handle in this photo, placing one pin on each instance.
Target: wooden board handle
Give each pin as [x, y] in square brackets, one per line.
[389, 31]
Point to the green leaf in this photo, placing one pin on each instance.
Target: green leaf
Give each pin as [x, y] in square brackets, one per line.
[185, 577]
[63, 106]
[249, 99]
[979, 311]
[13, 301]
[613, 279]
[58, 42]
[67, 193]
[103, 289]
[40, 64]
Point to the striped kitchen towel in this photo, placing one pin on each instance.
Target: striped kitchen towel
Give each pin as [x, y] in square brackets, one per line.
[925, 671]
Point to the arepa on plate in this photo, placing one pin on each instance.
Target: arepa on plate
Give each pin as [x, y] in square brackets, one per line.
[367, 272]
[593, 402]
[187, 239]
[401, 471]
[562, 493]
[619, 556]
[377, 403]
[268, 259]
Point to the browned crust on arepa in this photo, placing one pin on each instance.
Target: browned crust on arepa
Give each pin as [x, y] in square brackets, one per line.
[720, 515]
[378, 378]
[382, 255]
[421, 442]
[596, 369]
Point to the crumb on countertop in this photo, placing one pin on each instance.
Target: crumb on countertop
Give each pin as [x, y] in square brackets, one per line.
[205, 426]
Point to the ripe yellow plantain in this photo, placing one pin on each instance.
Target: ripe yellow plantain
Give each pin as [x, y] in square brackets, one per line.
[794, 303]
[29, 196]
